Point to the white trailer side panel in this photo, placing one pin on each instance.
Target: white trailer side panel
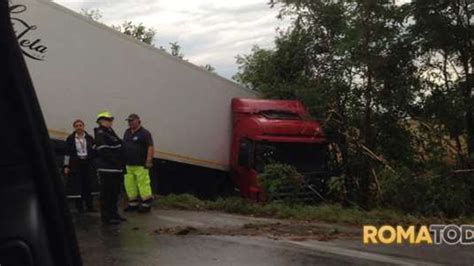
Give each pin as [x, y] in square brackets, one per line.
[80, 67]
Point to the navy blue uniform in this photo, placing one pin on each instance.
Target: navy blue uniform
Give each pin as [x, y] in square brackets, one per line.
[136, 146]
[110, 167]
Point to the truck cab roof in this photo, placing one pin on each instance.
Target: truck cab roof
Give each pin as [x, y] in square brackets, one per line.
[253, 106]
[276, 120]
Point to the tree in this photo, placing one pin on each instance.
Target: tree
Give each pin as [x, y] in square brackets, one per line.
[209, 68]
[137, 31]
[176, 50]
[251, 69]
[352, 62]
[94, 14]
[278, 73]
[446, 37]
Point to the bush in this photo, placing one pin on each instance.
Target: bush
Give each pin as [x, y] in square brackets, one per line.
[431, 193]
[281, 181]
[337, 188]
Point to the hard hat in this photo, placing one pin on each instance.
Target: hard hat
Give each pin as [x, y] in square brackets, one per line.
[104, 115]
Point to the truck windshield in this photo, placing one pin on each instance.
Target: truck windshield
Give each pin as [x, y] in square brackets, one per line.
[307, 158]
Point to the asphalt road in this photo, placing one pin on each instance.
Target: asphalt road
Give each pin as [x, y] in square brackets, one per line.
[150, 239]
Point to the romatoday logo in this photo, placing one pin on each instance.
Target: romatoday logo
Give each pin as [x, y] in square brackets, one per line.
[435, 234]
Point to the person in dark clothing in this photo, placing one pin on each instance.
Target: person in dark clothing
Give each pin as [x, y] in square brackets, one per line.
[78, 164]
[110, 168]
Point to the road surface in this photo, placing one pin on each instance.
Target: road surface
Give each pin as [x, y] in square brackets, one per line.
[171, 237]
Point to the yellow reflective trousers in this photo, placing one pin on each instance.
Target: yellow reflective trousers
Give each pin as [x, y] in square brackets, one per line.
[137, 183]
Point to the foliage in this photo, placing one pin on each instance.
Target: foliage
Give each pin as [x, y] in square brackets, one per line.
[176, 50]
[280, 178]
[393, 85]
[276, 74]
[137, 31]
[350, 61]
[337, 188]
[445, 36]
[435, 192]
[94, 14]
[209, 68]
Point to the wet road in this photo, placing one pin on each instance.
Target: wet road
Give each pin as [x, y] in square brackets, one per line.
[136, 242]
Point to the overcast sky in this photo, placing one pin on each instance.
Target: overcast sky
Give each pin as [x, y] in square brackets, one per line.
[209, 31]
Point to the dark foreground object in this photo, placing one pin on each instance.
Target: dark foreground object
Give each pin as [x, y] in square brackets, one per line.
[35, 227]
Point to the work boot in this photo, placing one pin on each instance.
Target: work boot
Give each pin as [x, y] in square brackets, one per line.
[145, 207]
[132, 206]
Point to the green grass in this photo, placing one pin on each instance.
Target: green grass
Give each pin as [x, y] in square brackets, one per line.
[181, 202]
[331, 213]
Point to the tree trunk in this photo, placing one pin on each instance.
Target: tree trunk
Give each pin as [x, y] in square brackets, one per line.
[460, 155]
[367, 136]
[368, 140]
[469, 108]
[466, 51]
[469, 120]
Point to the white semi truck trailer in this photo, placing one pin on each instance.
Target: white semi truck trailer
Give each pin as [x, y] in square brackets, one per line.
[80, 67]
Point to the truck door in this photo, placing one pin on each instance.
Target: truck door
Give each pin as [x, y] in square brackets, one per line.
[246, 175]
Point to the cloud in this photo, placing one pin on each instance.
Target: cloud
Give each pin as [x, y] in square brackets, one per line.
[209, 31]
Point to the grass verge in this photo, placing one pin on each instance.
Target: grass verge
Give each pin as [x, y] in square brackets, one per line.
[331, 213]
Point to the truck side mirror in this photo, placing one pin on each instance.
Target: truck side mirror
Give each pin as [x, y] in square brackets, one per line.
[245, 152]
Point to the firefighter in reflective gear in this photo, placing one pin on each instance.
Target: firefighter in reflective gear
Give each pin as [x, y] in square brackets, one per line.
[110, 168]
[139, 151]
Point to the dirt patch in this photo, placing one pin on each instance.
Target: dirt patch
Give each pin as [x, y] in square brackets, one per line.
[292, 231]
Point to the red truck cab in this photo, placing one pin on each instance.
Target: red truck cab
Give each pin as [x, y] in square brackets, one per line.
[273, 131]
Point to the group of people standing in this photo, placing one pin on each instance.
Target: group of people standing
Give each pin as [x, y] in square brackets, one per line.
[115, 161]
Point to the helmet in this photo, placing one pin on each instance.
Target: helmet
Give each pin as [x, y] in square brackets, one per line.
[104, 115]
